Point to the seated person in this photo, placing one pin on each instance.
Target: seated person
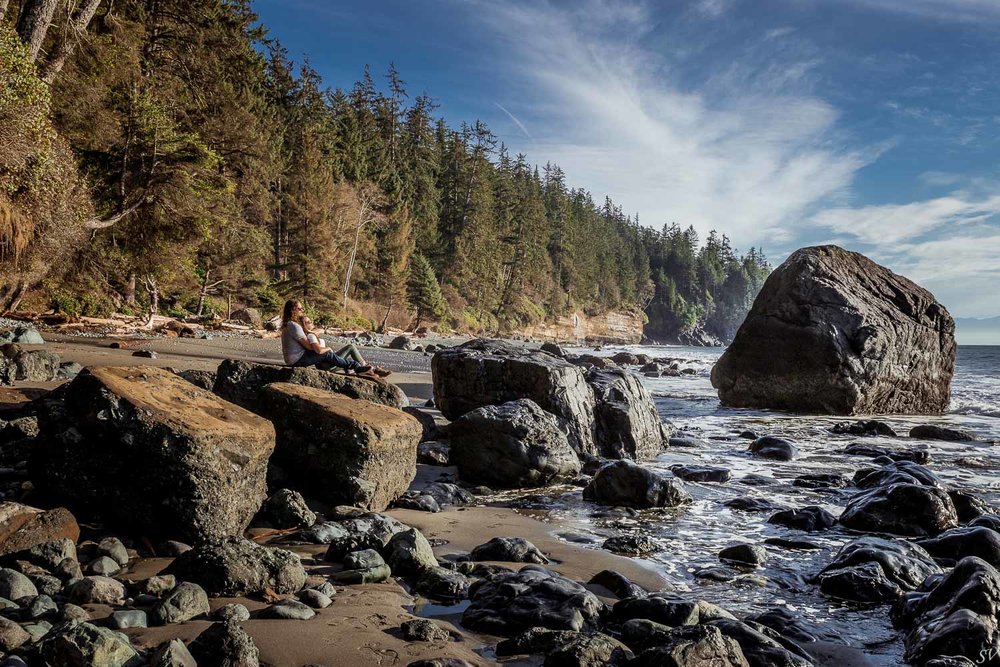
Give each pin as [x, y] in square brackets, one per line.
[349, 351]
[298, 350]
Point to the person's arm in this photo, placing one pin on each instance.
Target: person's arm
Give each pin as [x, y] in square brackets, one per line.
[315, 347]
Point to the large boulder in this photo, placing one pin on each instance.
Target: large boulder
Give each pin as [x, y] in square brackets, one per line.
[23, 528]
[490, 372]
[27, 365]
[875, 569]
[249, 316]
[627, 424]
[143, 448]
[240, 382]
[513, 445]
[912, 510]
[236, 566]
[833, 332]
[631, 485]
[340, 449]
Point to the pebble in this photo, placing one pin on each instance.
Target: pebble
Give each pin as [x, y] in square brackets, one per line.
[315, 599]
[232, 612]
[127, 618]
[289, 610]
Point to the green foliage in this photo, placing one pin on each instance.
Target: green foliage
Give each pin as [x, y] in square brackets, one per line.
[423, 291]
[268, 299]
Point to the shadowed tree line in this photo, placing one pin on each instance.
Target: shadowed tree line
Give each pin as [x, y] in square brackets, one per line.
[163, 155]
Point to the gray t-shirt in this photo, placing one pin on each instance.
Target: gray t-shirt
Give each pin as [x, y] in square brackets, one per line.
[291, 348]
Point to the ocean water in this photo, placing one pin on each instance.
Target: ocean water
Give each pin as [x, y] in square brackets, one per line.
[691, 537]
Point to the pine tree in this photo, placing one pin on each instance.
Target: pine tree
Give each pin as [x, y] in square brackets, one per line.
[423, 291]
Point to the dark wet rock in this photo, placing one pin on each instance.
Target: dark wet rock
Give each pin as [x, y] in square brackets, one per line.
[86, 645]
[956, 617]
[288, 610]
[640, 634]
[203, 379]
[856, 339]
[415, 500]
[810, 518]
[103, 451]
[627, 425]
[236, 566]
[744, 554]
[631, 485]
[509, 550]
[488, 372]
[553, 349]
[400, 343]
[287, 509]
[751, 504]
[427, 423]
[774, 448]
[865, 427]
[788, 625]
[441, 662]
[667, 609]
[513, 445]
[821, 481]
[533, 597]
[802, 545]
[991, 521]
[954, 545]
[693, 647]
[935, 432]
[225, 644]
[145, 354]
[901, 509]
[969, 506]
[589, 650]
[446, 493]
[341, 449]
[618, 584]
[409, 553]
[534, 641]
[699, 473]
[916, 455]
[753, 479]
[184, 602]
[422, 630]
[762, 647]
[630, 545]
[625, 359]
[366, 530]
[888, 568]
[434, 452]
[682, 440]
[894, 472]
[241, 382]
[441, 583]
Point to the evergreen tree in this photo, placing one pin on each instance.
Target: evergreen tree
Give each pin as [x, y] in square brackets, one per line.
[423, 291]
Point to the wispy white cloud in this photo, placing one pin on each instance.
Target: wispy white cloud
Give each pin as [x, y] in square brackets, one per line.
[514, 119]
[963, 11]
[749, 151]
[893, 223]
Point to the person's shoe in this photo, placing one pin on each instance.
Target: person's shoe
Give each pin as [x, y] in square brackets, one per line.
[361, 370]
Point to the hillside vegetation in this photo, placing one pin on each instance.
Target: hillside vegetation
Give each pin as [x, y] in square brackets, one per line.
[168, 156]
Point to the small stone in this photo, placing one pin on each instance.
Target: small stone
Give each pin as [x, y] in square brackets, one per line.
[72, 612]
[291, 610]
[227, 645]
[145, 354]
[97, 590]
[68, 569]
[41, 606]
[422, 630]
[172, 548]
[103, 566]
[127, 618]
[744, 554]
[113, 548]
[172, 654]
[630, 545]
[158, 585]
[183, 603]
[232, 612]
[47, 584]
[14, 585]
[315, 599]
[12, 635]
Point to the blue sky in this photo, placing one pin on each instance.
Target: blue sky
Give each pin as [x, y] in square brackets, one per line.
[874, 124]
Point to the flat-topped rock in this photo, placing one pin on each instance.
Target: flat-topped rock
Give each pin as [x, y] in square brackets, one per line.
[23, 528]
[340, 449]
[490, 372]
[833, 332]
[144, 449]
[240, 382]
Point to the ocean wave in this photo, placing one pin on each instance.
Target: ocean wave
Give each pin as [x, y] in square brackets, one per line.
[973, 407]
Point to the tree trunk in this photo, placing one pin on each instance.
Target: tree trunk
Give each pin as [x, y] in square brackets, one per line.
[74, 33]
[130, 290]
[14, 298]
[36, 16]
[350, 263]
[385, 318]
[154, 301]
[3, 8]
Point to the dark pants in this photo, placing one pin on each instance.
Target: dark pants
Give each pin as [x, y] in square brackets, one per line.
[326, 360]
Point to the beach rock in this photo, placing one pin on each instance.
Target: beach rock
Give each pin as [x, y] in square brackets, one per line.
[627, 424]
[440, 583]
[969, 506]
[434, 453]
[339, 449]
[935, 432]
[618, 584]
[232, 611]
[12, 635]
[751, 504]
[235, 566]
[744, 554]
[124, 619]
[42, 537]
[663, 608]
[240, 382]
[82, 644]
[409, 553]
[199, 378]
[810, 518]
[415, 500]
[865, 427]
[589, 650]
[686, 441]
[18, 365]
[821, 481]
[173, 653]
[509, 550]
[489, 372]
[693, 646]
[991, 521]
[954, 545]
[145, 354]
[367, 530]
[289, 610]
[97, 590]
[15, 586]
[534, 597]
[400, 343]
[184, 602]
[788, 625]
[911, 510]
[855, 338]
[631, 485]
[249, 316]
[761, 647]
[874, 569]
[915, 455]
[446, 493]
[553, 349]
[315, 599]
[774, 448]
[513, 445]
[157, 585]
[427, 423]
[225, 645]
[113, 548]
[699, 473]
[894, 472]
[630, 545]
[140, 447]
[22, 334]
[103, 566]
[422, 630]
[441, 662]
[287, 509]
[956, 617]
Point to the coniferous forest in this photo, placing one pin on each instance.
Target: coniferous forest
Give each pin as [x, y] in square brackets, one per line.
[169, 156]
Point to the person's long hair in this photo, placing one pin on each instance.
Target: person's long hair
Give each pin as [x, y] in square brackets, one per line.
[286, 313]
